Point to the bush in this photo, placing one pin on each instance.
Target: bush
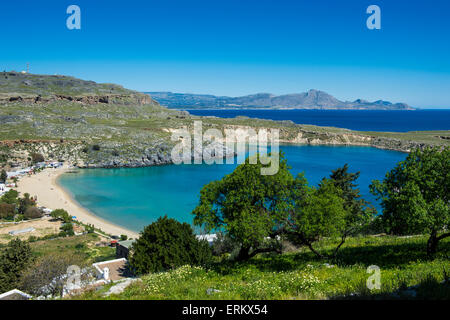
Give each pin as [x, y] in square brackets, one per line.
[13, 260]
[96, 147]
[61, 214]
[167, 244]
[123, 237]
[32, 213]
[37, 157]
[68, 229]
[3, 176]
[10, 197]
[7, 210]
[47, 275]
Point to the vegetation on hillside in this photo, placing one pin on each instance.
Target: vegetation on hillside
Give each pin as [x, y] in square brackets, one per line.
[167, 244]
[415, 196]
[31, 265]
[406, 273]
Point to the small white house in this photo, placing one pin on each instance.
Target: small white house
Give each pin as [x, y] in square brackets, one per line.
[111, 270]
[18, 173]
[40, 165]
[56, 164]
[15, 295]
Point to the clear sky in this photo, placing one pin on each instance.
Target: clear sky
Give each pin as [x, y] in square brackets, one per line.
[238, 47]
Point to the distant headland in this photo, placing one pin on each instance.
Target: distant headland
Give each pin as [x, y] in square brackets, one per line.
[313, 99]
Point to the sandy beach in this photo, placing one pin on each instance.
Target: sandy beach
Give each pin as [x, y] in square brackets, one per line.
[51, 195]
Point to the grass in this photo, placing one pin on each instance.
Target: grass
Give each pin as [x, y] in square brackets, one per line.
[299, 275]
[83, 246]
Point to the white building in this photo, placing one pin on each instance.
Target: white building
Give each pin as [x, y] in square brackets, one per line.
[19, 173]
[3, 189]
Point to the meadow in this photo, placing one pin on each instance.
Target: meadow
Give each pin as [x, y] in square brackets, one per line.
[406, 273]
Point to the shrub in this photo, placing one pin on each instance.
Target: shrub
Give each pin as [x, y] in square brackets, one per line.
[96, 147]
[7, 210]
[167, 244]
[13, 260]
[68, 229]
[61, 214]
[10, 197]
[3, 176]
[37, 157]
[32, 213]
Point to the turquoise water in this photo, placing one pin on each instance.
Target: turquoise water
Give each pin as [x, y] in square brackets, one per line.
[135, 197]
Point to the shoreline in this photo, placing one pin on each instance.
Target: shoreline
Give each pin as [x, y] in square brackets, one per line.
[50, 194]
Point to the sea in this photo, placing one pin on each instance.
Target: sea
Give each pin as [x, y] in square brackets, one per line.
[136, 197]
[361, 120]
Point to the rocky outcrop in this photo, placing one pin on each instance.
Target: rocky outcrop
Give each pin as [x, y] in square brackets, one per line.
[135, 99]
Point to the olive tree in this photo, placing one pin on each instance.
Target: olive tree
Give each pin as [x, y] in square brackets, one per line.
[415, 195]
[318, 212]
[247, 206]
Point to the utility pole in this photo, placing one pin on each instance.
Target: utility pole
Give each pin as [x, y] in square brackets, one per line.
[28, 67]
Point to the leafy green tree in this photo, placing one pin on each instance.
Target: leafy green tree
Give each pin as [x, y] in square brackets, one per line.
[14, 259]
[359, 212]
[61, 214]
[3, 176]
[167, 244]
[247, 206]
[10, 197]
[318, 213]
[415, 195]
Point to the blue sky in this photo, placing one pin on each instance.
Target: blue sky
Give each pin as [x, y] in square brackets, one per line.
[239, 47]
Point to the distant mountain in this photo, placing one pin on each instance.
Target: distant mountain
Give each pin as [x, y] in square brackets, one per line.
[313, 99]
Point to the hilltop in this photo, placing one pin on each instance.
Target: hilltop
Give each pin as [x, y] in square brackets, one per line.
[313, 99]
[34, 88]
[90, 124]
